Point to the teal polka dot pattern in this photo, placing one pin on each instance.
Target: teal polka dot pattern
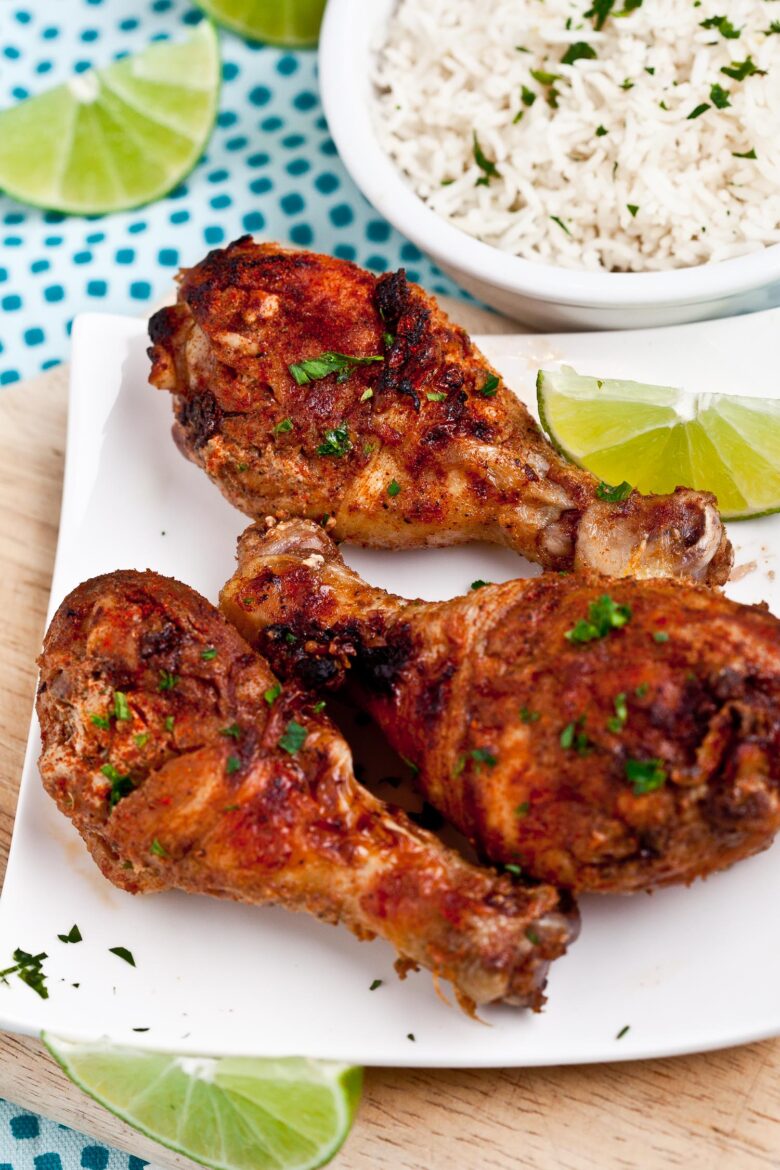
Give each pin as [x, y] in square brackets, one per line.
[270, 168]
[28, 1142]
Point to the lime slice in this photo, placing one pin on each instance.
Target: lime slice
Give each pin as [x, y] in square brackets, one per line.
[295, 23]
[117, 137]
[659, 438]
[230, 1114]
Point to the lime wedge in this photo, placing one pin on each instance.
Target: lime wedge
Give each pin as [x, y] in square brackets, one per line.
[230, 1114]
[658, 438]
[117, 137]
[295, 23]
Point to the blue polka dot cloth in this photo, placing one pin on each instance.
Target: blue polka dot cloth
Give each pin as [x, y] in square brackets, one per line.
[31, 1143]
[270, 168]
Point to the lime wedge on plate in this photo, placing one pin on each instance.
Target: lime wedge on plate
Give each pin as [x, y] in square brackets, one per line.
[659, 438]
[230, 1114]
[295, 23]
[114, 138]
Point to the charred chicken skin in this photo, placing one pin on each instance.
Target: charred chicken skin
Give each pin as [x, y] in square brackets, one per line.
[606, 736]
[305, 386]
[183, 764]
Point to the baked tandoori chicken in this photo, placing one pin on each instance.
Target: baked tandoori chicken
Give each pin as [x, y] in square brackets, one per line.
[183, 763]
[305, 386]
[604, 735]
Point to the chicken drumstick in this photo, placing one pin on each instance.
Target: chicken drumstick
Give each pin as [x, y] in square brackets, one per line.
[184, 764]
[607, 736]
[306, 386]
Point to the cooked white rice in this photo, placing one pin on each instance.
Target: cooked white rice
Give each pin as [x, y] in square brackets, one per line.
[660, 189]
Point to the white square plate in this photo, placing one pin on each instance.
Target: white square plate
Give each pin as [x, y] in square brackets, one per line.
[686, 969]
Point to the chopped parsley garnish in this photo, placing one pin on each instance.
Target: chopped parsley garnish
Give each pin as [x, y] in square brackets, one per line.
[618, 721]
[601, 9]
[739, 70]
[374, 984]
[528, 716]
[545, 78]
[336, 442]
[613, 495]
[622, 1031]
[573, 737]
[633, 208]
[523, 809]
[234, 731]
[294, 737]
[123, 953]
[29, 968]
[209, 653]
[167, 681]
[157, 849]
[393, 488]
[527, 96]
[604, 615]
[601, 131]
[290, 638]
[410, 764]
[100, 721]
[282, 427]
[488, 168]
[169, 722]
[773, 28]
[479, 584]
[719, 96]
[142, 739]
[723, 25]
[121, 786]
[73, 935]
[483, 756]
[660, 636]
[645, 775]
[698, 110]
[270, 696]
[121, 709]
[241, 466]
[367, 393]
[389, 339]
[642, 690]
[342, 364]
[489, 388]
[319, 706]
[560, 223]
[435, 395]
[233, 765]
[532, 936]
[579, 51]
[735, 154]
[510, 867]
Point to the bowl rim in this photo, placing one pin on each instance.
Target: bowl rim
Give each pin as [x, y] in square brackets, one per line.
[344, 57]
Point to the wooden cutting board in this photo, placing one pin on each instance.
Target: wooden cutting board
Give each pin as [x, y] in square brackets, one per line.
[714, 1112]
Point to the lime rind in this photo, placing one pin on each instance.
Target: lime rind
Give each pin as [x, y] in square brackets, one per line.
[661, 437]
[118, 137]
[293, 24]
[227, 1114]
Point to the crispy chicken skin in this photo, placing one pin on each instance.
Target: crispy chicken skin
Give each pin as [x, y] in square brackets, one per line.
[431, 415]
[613, 763]
[228, 789]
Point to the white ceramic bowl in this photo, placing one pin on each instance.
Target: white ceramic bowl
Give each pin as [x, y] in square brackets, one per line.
[541, 294]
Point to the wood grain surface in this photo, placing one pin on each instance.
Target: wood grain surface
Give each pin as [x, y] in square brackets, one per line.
[714, 1112]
